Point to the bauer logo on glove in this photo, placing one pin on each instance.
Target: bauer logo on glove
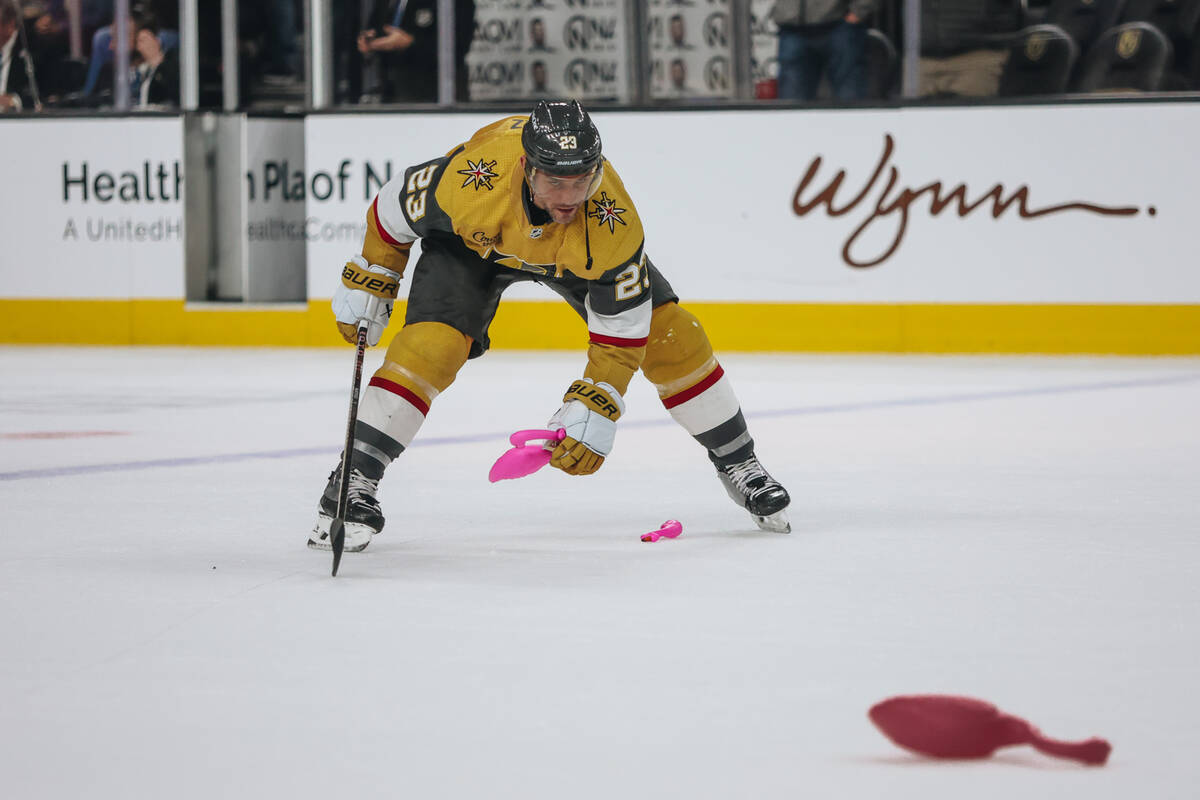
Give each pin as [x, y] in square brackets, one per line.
[588, 417]
[356, 278]
[585, 392]
[365, 295]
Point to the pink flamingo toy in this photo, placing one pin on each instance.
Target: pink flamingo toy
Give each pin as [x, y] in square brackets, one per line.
[521, 460]
[946, 726]
[670, 529]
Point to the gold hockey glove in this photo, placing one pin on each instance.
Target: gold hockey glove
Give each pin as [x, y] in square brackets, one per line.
[365, 293]
[589, 417]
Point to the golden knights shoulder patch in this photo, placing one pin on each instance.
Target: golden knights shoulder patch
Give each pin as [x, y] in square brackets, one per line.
[479, 174]
[605, 212]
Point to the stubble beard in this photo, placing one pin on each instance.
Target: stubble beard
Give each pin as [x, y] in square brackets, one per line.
[569, 218]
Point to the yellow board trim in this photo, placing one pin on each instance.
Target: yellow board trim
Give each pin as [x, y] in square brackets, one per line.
[745, 327]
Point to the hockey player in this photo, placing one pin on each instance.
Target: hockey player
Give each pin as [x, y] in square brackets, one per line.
[527, 198]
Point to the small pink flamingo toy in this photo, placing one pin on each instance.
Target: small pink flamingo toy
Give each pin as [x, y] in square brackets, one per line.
[670, 529]
[521, 460]
[949, 726]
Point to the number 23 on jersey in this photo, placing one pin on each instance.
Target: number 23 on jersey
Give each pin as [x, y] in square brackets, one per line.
[417, 192]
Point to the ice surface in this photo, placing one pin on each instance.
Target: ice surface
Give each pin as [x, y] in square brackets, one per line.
[1022, 530]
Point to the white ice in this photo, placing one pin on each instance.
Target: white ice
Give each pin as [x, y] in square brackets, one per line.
[1023, 530]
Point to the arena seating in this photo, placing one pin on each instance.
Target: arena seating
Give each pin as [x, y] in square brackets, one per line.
[1040, 62]
[1133, 56]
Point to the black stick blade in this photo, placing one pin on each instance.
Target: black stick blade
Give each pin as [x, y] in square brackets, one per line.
[337, 538]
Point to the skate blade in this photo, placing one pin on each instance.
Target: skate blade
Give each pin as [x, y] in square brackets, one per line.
[357, 536]
[323, 544]
[774, 523]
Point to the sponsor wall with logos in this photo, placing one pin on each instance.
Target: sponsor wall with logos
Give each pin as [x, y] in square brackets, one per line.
[691, 47]
[1011, 228]
[92, 208]
[549, 48]
[691, 44]
[764, 42]
[993, 205]
[580, 48]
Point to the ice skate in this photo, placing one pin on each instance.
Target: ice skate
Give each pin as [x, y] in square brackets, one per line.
[753, 488]
[364, 517]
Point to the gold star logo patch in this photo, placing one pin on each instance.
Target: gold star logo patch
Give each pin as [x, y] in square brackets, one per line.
[605, 212]
[479, 174]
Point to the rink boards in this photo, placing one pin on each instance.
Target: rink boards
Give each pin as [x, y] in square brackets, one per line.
[991, 229]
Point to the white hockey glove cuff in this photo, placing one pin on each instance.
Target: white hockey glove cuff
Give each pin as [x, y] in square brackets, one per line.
[588, 417]
[366, 294]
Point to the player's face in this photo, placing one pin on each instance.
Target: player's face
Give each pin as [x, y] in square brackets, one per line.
[561, 196]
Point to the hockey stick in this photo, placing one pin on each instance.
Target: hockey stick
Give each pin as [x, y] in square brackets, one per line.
[337, 528]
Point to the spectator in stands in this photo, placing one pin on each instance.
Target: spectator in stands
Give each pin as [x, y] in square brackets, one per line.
[47, 24]
[155, 78]
[102, 50]
[408, 47]
[49, 44]
[823, 36]
[964, 45]
[47, 16]
[16, 86]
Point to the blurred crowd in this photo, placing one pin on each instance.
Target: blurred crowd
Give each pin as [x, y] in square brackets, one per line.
[41, 65]
[845, 49]
[385, 51]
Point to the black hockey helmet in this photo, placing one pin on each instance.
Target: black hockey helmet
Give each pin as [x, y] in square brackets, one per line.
[560, 139]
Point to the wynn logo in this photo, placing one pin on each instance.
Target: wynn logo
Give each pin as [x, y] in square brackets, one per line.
[898, 200]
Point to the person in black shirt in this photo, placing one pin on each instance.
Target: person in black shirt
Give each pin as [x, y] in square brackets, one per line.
[155, 81]
[407, 43]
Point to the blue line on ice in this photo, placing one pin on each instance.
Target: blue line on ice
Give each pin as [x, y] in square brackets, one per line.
[835, 408]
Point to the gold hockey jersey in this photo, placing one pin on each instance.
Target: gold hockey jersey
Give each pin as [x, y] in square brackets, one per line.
[477, 193]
